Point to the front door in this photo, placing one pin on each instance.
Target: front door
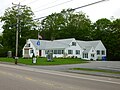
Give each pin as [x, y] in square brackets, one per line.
[39, 52]
[26, 53]
[93, 56]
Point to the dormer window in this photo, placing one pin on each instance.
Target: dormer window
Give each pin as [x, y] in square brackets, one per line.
[73, 43]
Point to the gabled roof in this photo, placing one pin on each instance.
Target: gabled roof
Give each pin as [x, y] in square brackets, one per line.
[44, 44]
[85, 44]
[65, 41]
[87, 49]
[94, 43]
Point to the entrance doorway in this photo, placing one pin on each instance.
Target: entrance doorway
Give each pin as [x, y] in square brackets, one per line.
[39, 52]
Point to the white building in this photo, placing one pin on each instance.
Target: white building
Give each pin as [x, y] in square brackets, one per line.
[65, 48]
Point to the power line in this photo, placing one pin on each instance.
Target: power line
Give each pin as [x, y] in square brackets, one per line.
[77, 7]
[55, 5]
[47, 4]
[71, 9]
[90, 4]
[32, 2]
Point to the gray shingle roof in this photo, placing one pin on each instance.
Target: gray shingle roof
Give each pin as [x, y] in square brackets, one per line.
[64, 43]
[94, 43]
[44, 44]
[85, 44]
[87, 49]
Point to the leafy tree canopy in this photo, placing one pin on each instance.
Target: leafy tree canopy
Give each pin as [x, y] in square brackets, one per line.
[26, 26]
[66, 24]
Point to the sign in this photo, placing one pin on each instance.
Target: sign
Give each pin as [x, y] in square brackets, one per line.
[38, 43]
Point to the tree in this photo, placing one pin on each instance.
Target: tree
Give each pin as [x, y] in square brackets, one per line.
[115, 40]
[26, 25]
[51, 24]
[101, 29]
[109, 33]
[67, 24]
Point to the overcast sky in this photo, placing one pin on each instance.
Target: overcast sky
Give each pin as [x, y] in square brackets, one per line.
[41, 8]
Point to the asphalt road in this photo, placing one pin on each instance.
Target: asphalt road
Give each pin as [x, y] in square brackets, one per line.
[106, 65]
[13, 77]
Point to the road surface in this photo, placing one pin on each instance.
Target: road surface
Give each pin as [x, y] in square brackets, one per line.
[13, 77]
[106, 65]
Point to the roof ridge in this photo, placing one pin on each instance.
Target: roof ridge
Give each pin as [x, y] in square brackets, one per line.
[64, 39]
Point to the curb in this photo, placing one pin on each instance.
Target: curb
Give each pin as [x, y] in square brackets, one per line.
[10, 63]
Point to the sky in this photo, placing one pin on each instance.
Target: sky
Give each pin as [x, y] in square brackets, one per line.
[108, 9]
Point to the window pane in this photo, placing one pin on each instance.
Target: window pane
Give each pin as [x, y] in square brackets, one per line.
[46, 51]
[27, 45]
[70, 51]
[31, 51]
[62, 51]
[85, 55]
[77, 51]
[55, 51]
[59, 51]
[103, 52]
[92, 55]
[98, 52]
[73, 43]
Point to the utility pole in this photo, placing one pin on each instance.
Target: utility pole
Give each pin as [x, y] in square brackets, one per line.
[17, 16]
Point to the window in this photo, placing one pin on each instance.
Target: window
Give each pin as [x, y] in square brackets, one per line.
[51, 51]
[62, 51]
[70, 51]
[59, 51]
[103, 52]
[55, 51]
[77, 51]
[73, 43]
[31, 51]
[98, 52]
[27, 45]
[46, 51]
[92, 55]
[85, 55]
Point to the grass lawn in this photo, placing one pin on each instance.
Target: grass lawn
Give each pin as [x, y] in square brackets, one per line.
[96, 70]
[43, 61]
